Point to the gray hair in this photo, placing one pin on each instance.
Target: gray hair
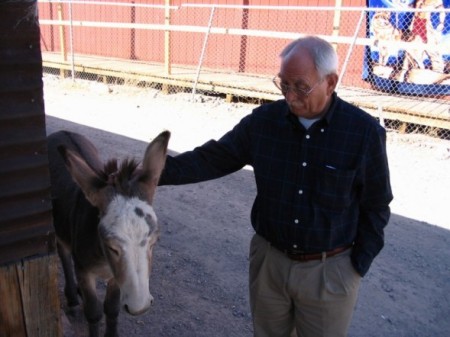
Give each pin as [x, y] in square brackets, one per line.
[322, 52]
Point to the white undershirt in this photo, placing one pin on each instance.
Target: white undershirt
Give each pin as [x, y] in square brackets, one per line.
[307, 122]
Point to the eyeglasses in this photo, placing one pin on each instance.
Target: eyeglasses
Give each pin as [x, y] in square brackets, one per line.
[299, 90]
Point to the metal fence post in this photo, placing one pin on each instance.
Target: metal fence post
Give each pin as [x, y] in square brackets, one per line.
[350, 49]
[200, 62]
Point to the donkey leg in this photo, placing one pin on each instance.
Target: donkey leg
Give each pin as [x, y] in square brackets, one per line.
[70, 286]
[111, 308]
[92, 307]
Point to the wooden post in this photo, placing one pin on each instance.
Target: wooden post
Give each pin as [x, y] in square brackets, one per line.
[167, 12]
[62, 39]
[167, 64]
[337, 21]
[30, 302]
[29, 296]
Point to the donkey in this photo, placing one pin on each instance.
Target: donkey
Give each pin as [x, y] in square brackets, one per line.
[105, 223]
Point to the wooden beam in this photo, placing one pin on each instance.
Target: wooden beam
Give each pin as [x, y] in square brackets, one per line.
[406, 109]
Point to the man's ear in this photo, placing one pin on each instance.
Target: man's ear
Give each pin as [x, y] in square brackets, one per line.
[332, 80]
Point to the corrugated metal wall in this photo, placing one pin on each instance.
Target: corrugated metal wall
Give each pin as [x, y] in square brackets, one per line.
[25, 207]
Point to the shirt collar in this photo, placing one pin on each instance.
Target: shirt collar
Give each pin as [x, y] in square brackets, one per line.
[330, 112]
[325, 119]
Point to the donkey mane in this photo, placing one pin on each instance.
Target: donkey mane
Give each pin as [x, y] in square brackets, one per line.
[126, 171]
[121, 177]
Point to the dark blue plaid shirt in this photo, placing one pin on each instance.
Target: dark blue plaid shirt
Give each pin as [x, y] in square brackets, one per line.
[317, 189]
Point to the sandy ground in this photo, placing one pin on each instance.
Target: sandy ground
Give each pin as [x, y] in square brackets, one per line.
[199, 278]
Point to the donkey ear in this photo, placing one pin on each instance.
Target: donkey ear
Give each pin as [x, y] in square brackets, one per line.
[154, 161]
[85, 177]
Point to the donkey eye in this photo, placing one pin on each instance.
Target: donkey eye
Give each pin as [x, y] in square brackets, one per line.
[113, 250]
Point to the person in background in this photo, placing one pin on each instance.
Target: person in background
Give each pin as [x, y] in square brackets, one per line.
[322, 201]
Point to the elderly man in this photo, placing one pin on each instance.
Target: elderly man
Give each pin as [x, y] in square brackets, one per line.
[323, 195]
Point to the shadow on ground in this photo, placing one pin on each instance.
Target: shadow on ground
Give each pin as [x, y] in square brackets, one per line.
[199, 277]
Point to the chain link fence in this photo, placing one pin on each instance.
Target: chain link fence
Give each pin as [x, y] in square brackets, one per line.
[394, 63]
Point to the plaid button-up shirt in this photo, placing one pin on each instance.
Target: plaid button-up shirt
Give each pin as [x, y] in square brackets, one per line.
[317, 189]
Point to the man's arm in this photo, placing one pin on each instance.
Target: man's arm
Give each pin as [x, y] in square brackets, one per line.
[376, 194]
[212, 160]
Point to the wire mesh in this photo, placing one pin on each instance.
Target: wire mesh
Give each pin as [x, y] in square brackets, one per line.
[394, 63]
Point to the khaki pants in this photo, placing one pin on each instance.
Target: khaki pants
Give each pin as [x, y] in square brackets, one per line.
[305, 299]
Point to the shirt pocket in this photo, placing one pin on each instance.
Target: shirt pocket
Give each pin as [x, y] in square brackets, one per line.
[333, 188]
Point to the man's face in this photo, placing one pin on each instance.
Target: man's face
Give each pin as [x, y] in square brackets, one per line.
[307, 94]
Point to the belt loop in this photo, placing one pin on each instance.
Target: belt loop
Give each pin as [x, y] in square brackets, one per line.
[324, 256]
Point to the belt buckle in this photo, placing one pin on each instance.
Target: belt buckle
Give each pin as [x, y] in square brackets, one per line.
[298, 255]
[295, 252]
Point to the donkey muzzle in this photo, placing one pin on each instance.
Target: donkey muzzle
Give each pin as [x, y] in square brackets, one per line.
[140, 310]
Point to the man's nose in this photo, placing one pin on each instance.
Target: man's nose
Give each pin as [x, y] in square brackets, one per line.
[290, 94]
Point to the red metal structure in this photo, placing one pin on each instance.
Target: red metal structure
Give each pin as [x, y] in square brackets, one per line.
[237, 53]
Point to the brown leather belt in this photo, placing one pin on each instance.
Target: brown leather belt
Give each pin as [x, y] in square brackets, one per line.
[315, 256]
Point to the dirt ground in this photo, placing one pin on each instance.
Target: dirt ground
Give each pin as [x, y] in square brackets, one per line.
[199, 277]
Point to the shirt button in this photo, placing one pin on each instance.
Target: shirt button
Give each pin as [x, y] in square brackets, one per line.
[296, 221]
[300, 191]
[322, 130]
[294, 246]
[304, 164]
[308, 136]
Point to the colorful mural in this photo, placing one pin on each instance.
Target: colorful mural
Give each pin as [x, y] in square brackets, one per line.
[410, 50]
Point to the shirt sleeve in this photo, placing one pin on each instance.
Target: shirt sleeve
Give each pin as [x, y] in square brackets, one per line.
[376, 195]
[214, 159]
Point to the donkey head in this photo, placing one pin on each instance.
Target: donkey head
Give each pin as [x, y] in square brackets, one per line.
[128, 227]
